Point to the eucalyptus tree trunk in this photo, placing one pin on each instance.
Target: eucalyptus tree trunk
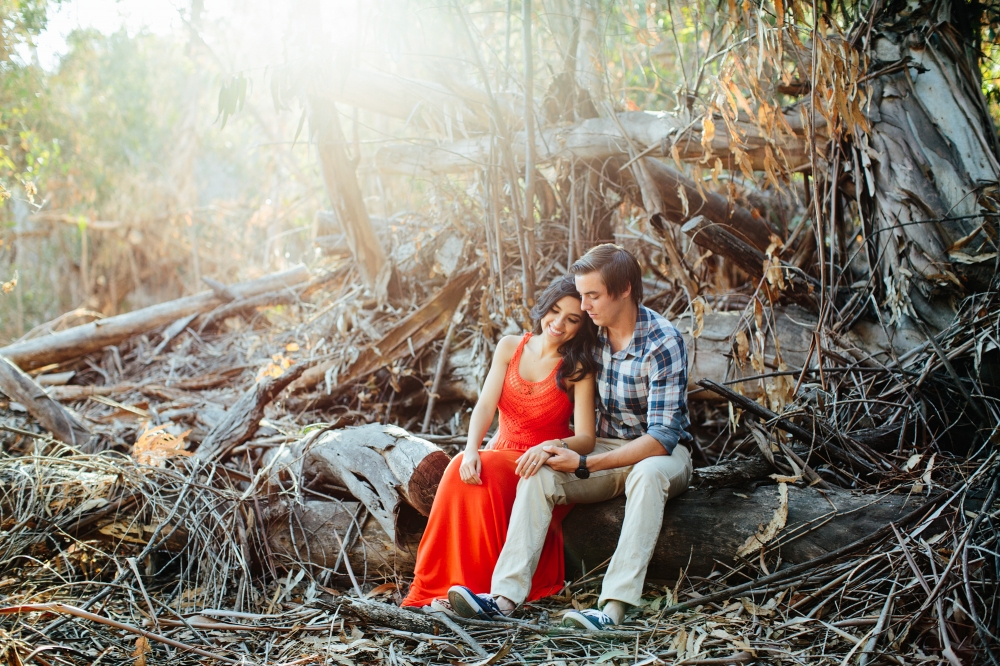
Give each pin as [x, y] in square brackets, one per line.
[929, 167]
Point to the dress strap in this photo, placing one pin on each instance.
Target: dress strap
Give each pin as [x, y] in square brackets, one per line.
[515, 360]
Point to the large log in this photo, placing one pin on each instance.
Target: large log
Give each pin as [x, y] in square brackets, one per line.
[383, 467]
[97, 335]
[599, 139]
[702, 527]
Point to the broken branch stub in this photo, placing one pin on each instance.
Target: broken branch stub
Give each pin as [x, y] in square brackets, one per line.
[19, 387]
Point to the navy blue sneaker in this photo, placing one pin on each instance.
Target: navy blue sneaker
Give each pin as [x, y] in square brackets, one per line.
[588, 620]
[466, 603]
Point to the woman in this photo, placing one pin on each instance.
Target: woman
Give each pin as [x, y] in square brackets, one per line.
[538, 382]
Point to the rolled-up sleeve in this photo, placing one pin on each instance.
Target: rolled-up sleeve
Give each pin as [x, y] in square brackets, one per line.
[666, 416]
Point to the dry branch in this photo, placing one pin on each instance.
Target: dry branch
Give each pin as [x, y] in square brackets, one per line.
[52, 416]
[420, 328]
[81, 340]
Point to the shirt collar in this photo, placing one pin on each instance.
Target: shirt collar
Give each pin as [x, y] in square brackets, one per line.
[642, 323]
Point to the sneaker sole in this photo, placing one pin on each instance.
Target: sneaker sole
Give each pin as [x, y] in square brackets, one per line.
[462, 606]
[576, 623]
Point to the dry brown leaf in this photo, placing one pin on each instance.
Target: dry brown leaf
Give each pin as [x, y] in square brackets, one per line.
[156, 445]
[707, 134]
[279, 363]
[698, 309]
[9, 285]
[142, 648]
[742, 348]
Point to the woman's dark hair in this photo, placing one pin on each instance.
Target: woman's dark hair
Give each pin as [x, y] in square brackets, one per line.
[578, 353]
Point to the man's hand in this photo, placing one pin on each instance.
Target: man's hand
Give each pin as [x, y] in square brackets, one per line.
[472, 466]
[533, 459]
[562, 460]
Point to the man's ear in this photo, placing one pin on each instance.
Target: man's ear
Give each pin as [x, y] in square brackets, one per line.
[627, 293]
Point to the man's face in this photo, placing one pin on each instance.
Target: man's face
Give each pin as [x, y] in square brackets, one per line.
[603, 308]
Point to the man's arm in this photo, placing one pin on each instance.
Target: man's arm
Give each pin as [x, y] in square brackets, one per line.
[665, 405]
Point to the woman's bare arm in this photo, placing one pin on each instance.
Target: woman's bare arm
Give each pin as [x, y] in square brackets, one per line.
[486, 409]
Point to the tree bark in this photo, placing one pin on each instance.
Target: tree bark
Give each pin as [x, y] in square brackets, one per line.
[418, 329]
[97, 335]
[930, 172]
[703, 526]
[345, 194]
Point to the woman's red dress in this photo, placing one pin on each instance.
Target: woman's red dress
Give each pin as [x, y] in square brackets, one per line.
[468, 524]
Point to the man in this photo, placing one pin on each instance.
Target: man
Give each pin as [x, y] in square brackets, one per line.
[642, 420]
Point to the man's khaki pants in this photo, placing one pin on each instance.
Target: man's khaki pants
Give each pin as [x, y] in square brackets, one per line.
[647, 486]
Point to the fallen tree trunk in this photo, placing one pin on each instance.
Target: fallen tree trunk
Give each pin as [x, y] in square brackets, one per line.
[97, 335]
[383, 467]
[699, 528]
[599, 139]
[702, 527]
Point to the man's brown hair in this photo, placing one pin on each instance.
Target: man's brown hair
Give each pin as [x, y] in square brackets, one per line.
[618, 267]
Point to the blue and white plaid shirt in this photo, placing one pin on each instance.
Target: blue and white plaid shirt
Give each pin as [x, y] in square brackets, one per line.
[642, 389]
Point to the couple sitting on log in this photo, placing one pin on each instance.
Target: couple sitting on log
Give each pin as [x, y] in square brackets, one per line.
[493, 538]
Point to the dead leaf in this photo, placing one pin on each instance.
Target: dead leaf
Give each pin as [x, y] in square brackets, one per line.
[742, 348]
[9, 285]
[279, 363]
[698, 309]
[156, 445]
[142, 648]
[492, 659]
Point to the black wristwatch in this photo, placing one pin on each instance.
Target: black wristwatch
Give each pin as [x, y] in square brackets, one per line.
[582, 472]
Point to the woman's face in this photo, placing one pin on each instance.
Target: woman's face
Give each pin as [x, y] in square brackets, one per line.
[563, 320]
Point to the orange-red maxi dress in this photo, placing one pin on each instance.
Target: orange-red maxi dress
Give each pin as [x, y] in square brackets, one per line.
[468, 524]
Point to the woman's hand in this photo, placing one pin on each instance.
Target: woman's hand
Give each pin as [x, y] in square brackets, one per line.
[471, 467]
[533, 459]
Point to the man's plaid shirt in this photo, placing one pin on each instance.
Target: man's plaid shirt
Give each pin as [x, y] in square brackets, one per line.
[642, 389]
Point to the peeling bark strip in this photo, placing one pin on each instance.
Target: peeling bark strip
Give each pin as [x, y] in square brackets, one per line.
[97, 335]
[52, 416]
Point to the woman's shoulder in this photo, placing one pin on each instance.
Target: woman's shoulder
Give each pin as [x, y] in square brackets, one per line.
[507, 346]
